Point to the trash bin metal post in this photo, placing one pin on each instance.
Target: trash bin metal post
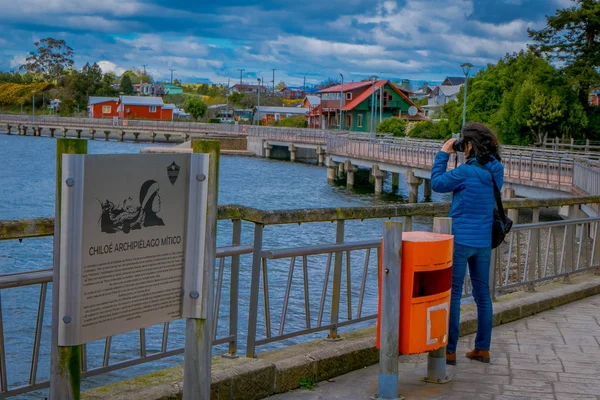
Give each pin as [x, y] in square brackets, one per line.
[436, 359]
[390, 311]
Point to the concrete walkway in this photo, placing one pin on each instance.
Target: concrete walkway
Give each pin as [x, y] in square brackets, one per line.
[553, 355]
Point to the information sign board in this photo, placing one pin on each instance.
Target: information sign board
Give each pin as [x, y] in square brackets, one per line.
[123, 238]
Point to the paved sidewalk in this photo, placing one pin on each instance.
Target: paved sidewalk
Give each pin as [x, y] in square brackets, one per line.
[553, 355]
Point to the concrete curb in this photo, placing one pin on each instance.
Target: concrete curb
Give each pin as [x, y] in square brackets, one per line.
[281, 370]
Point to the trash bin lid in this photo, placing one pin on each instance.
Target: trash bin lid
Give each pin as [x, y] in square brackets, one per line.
[424, 237]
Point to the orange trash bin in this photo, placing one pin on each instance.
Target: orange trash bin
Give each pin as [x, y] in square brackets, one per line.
[426, 283]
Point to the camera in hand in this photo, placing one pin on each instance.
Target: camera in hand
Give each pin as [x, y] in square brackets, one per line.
[459, 145]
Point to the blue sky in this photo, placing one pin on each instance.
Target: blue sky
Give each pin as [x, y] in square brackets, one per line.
[207, 39]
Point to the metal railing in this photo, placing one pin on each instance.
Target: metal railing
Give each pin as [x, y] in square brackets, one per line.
[341, 274]
[535, 167]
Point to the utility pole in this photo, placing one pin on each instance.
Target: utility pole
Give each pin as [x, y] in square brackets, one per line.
[144, 66]
[227, 98]
[273, 80]
[171, 69]
[341, 101]
[241, 75]
[258, 107]
[33, 104]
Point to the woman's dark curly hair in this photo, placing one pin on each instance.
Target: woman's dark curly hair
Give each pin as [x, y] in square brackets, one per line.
[484, 142]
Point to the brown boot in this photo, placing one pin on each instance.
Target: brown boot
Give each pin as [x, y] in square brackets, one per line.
[479, 355]
[450, 358]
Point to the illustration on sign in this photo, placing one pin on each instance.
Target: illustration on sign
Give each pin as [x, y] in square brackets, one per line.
[126, 217]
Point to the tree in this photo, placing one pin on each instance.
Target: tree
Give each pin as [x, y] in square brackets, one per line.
[125, 86]
[176, 82]
[177, 99]
[281, 85]
[544, 112]
[572, 37]
[393, 125]
[297, 121]
[50, 58]
[195, 107]
[330, 82]
[106, 88]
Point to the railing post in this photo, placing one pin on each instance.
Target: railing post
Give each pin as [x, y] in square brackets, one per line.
[64, 381]
[254, 288]
[534, 249]
[436, 359]
[234, 288]
[570, 238]
[389, 328]
[337, 281]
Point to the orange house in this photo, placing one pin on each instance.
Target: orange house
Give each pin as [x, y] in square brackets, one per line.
[103, 107]
[142, 107]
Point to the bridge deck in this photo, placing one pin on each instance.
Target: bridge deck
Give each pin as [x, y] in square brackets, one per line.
[553, 355]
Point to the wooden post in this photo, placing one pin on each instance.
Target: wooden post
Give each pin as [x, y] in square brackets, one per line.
[198, 332]
[65, 362]
[389, 329]
[436, 359]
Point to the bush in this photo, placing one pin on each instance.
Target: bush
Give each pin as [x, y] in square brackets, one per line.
[393, 125]
[430, 130]
[214, 121]
[297, 121]
[15, 93]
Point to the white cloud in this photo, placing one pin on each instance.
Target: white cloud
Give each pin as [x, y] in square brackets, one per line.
[109, 66]
[17, 61]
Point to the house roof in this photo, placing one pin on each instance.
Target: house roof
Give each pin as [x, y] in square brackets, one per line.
[245, 86]
[170, 86]
[142, 101]
[346, 87]
[282, 110]
[450, 90]
[97, 100]
[313, 100]
[454, 80]
[169, 107]
[366, 93]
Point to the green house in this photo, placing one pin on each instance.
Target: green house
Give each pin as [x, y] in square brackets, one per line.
[359, 99]
[172, 89]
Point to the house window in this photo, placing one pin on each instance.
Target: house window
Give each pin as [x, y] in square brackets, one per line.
[106, 109]
[152, 109]
[349, 120]
[359, 122]
[349, 96]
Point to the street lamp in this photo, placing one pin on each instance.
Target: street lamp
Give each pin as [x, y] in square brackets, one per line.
[341, 100]
[373, 79]
[466, 67]
[304, 85]
[258, 107]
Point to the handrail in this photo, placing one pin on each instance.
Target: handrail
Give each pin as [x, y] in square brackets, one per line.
[41, 227]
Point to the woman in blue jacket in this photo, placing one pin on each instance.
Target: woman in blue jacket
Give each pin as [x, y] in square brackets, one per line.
[472, 210]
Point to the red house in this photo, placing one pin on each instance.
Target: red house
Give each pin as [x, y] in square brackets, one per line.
[103, 107]
[142, 107]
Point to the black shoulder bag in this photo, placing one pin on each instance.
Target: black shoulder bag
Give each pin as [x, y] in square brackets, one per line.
[502, 224]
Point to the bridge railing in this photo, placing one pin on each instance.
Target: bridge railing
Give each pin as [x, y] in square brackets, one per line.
[531, 166]
[314, 135]
[327, 282]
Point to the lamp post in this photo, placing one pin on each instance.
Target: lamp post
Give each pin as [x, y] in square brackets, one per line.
[341, 101]
[373, 79]
[258, 107]
[466, 67]
[33, 104]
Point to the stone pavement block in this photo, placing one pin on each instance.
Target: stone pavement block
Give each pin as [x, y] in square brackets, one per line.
[537, 348]
[471, 387]
[577, 388]
[591, 358]
[461, 376]
[547, 367]
[581, 368]
[529, 386]
[535, 375]
[510, 395]
[576, 378]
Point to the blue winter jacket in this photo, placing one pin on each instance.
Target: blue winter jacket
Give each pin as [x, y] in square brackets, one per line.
[472, 198]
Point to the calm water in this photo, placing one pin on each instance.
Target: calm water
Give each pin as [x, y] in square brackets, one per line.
[27, 181]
